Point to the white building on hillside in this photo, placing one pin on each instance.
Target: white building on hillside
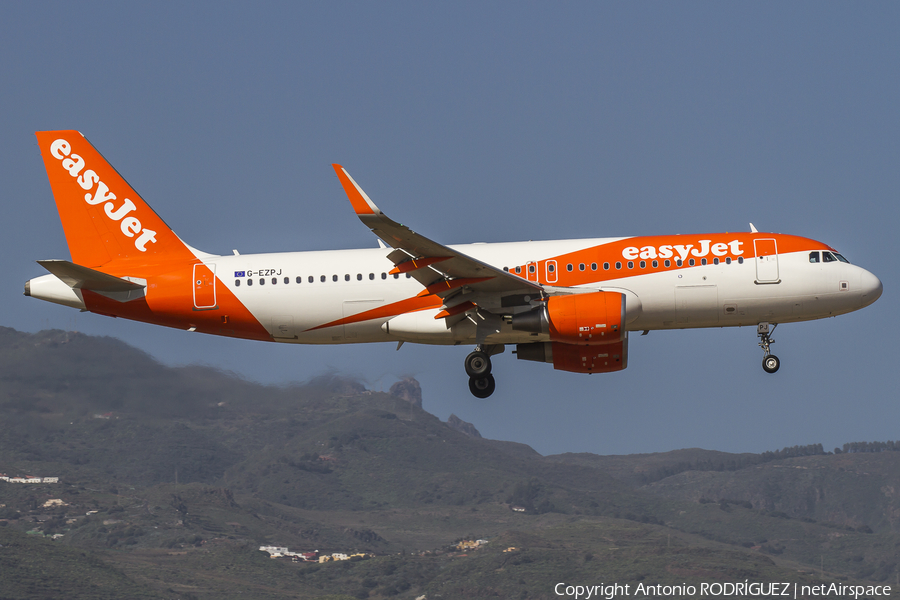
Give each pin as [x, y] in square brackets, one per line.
[274, 551]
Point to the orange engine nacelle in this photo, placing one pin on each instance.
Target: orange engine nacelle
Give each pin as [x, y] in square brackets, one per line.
[607, 358]
[583, 319]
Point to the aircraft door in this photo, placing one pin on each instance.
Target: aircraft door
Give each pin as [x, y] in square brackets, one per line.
[550, 267]
[531, 271]
[204, 286]
[766, 261]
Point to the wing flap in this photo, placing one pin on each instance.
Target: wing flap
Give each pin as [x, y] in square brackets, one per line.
[414, 264]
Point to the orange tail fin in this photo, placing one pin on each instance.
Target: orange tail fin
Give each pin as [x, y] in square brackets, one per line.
[104, 219]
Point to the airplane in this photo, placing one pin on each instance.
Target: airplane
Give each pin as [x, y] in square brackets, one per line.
[570, 303]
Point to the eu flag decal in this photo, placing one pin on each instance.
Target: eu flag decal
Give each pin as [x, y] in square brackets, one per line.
[240, 273]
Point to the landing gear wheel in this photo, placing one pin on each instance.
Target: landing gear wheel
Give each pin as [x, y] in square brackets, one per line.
[771, 363]
[478, 364]
[482, 387]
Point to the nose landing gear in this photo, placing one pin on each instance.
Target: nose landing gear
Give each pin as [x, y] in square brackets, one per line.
[770, 362]
[478, 368]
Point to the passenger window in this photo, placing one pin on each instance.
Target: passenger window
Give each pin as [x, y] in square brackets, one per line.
[691, 262]
[312, 279]
[606, 266]
[396, 275]
[249, 282]
[581, 267]
[593, 266]
[518, 269]
[334, 277]
[702, 261]
[828, 257]
[740, 260]
[630, 264]
[384, 275]
[643, 264]
[813, 257]
[371, 276]
[618, 265]
[274, 280]
[679, 262]
[262, 281]
[655, 264]
[237, 283]
[569, 267]
[299, 279]
[668, 263]
[359, 276]
[322, 279]
[728, 260]
[347, 277]
[715, 261]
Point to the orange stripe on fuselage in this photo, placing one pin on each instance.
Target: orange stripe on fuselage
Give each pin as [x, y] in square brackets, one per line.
[414, 304]
[169, 301]
[650, 248]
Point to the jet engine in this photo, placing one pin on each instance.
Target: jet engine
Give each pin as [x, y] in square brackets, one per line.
[583, 319]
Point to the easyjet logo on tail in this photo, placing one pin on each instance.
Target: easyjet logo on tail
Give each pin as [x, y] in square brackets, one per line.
[88, 179]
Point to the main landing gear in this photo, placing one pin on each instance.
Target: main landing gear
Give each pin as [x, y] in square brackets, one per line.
[478, 368]
[770, 362]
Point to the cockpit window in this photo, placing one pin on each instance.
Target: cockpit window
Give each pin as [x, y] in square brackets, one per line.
[828, 257]
[841, 258]
[813, 257]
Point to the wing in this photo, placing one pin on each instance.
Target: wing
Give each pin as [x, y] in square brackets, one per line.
[457, 278]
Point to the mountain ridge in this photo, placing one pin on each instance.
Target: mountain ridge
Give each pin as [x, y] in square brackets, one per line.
[192, 460]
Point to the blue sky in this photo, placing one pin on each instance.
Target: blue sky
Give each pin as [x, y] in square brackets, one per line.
[492, 122]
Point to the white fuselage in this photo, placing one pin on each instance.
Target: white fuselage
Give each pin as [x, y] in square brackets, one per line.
[335, 285]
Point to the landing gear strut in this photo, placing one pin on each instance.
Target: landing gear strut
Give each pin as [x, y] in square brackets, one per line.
[478, 368]
[770, 362]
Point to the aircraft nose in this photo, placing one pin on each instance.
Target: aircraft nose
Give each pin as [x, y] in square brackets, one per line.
[870, 286]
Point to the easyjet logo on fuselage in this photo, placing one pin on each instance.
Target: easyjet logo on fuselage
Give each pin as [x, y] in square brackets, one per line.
[129, 224]
[684, 250]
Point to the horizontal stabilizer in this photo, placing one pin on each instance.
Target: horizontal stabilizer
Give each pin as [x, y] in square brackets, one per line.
[83, 278]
